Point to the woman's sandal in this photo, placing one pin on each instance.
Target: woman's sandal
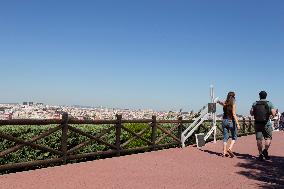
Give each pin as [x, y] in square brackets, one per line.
[230, 153]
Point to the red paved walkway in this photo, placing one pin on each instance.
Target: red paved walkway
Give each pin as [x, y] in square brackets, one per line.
[173, 168]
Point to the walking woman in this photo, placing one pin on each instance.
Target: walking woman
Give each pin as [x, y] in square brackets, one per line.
[230, 123]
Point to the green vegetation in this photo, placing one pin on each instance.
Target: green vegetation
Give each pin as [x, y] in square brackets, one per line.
[26, 132]
[53, 141]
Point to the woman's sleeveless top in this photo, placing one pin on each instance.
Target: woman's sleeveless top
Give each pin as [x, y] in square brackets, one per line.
[228, 112]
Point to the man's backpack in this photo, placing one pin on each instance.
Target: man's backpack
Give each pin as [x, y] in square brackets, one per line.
[261, 111]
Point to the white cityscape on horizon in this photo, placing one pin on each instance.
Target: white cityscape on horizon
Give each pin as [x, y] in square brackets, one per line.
[31, 110]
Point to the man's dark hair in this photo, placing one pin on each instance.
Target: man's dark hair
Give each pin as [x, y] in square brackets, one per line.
[262, 95]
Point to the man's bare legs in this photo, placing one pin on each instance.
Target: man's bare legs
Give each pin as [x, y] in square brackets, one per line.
[264, 152]
[260, 145]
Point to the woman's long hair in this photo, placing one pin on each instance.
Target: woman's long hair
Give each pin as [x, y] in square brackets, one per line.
[230, 100]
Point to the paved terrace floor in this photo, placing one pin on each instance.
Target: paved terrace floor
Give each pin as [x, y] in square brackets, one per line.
[173, 168]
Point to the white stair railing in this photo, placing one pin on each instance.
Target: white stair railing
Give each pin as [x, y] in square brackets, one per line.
[190, 130]
[214, 124]
[194, 126]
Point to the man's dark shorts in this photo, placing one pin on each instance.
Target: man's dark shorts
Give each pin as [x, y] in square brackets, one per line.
[263, 130]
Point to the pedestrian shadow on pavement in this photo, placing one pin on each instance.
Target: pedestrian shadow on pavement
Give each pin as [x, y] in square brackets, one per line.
[269, 173]
[211, 152]
[238, 155]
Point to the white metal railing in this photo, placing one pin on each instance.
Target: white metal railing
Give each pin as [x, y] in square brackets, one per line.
[214, 125]
[204, 114]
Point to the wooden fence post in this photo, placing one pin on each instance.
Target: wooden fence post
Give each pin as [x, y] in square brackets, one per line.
[64, 136]
[154, 131]
[180, 128]
[118, 133]
[250, 125]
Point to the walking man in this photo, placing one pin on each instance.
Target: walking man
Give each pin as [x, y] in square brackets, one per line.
[262, 111]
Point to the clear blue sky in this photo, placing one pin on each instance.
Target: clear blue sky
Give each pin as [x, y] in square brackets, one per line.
[159, 54]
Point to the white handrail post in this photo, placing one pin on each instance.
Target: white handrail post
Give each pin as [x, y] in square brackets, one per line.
[215, 127]
[213, 100]
[182, 140]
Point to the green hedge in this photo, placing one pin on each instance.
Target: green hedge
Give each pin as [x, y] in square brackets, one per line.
[53, 141]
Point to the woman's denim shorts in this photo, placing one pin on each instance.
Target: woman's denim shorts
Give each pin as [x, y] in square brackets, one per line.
[229, 126]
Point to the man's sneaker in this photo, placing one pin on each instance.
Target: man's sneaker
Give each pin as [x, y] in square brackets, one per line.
[265, 154]
[260, 157]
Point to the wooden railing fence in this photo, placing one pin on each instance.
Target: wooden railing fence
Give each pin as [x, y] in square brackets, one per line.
[158, 134]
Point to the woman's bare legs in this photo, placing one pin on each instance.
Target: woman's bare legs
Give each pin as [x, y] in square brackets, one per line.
[230, 152]
[232, 145]
[225, 149]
